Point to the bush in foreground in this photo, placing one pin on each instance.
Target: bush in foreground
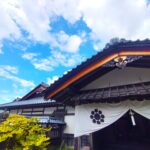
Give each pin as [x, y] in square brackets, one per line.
[21, 133]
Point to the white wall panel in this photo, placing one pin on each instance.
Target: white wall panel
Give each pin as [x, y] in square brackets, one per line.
[70, 109]
[49, 110]
[37, 109]
[120, 77]
[70, 121]
[14, 111]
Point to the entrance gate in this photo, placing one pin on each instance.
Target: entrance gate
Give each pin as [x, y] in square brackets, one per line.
[123, 135]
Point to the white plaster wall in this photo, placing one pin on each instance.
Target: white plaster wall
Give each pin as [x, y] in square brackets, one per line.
[70, 109]
[70, 121]
[14, 111]
[37, 109]
[49, 110]
[60, 107]
[117, 77]
[28, 109]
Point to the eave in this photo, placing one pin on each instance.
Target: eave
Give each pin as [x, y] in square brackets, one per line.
[31, 103]
[137, 91]
[137, 48]
[41, 87]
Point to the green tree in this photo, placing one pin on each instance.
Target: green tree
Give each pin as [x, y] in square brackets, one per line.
[21, 133]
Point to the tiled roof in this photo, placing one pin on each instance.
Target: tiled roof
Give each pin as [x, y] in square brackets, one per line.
[66, 80]
[47, 119]
[137, 91]
[38, 91]
[57, 121]
[34, 101]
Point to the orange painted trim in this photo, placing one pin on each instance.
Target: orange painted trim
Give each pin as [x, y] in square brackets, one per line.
[97, 65]
[136, 53]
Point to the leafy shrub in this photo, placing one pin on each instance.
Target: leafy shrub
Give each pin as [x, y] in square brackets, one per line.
[63, 146]
[21, 133]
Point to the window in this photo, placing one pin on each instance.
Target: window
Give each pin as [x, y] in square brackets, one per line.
[68, 139]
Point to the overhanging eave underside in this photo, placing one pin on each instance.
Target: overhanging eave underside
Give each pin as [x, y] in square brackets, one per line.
[138, 91]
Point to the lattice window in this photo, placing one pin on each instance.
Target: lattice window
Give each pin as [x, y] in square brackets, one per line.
[68, 139]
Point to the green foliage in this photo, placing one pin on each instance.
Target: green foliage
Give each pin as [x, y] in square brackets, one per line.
[63, 146]
[21, 133]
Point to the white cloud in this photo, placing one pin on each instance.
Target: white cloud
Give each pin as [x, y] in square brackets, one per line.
[52, 80]
[67, 60]
[8, 72]
[29, 56]
[8, 28]
[66, 8]
[55, 59]
[114, 18]
[66, 72]
[106, 19]
[67, 43]
[98, 45]
[17, 15]
[29, 18]
[46, 64]
[10, 69]
[1, 48]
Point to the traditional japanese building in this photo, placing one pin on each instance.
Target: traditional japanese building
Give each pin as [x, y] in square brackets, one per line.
[104, 103]
[111, 96]
[50, 113]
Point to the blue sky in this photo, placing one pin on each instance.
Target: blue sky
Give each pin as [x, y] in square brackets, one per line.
[40, 40]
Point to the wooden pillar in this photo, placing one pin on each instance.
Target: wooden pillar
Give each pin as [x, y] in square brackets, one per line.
[77, 143]
[91, 141]
[17, 110]
[60, 133]
[86, 145]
